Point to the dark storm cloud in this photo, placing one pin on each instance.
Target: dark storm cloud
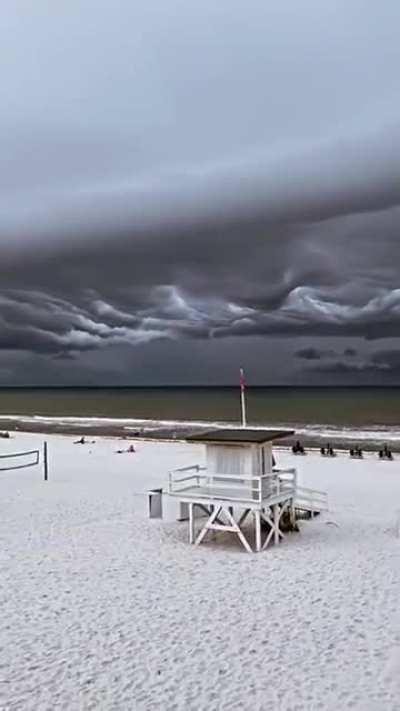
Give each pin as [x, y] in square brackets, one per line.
[318, 354]
[385, 364]
[387, 358]
[312, 353]
[340, 367]
[199, 173]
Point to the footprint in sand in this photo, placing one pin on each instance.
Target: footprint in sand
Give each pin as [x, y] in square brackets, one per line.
[391, 677]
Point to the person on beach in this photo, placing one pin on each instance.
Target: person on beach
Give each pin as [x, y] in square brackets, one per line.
[385, 453]
[131, 449]
[298, 448]
[328, 451]
[82, 440]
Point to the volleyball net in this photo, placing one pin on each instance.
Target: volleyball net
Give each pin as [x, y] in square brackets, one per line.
[24, 460]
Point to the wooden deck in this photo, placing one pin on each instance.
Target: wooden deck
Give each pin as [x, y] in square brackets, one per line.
[211, 495]
[228, 501]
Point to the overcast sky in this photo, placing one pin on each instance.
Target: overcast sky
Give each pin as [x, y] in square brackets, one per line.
[186, 188]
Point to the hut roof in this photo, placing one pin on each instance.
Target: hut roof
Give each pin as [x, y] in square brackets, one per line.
[240, 435]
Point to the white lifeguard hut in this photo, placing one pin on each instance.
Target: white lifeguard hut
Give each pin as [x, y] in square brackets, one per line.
[239, 479]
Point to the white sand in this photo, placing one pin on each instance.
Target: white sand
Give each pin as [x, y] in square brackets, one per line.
[103, 609]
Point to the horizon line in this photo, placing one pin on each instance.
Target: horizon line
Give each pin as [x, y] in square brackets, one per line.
[200, 386]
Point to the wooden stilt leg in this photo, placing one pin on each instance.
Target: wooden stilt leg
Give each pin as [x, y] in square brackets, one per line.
[257, 524]
[208, 526]
[221, 519]
[235, 528]
[243, 517]
[270, 523]
[292, 515]
[276, 524]
[191, 523]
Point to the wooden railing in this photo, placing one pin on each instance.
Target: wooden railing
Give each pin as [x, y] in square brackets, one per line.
[311, 500]
[185, 481]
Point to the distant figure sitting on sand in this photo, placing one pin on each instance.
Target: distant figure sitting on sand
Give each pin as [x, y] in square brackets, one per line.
[328, 451]
[298, 448]
[5, 435]
[82, 440]
[385, 453]
[130, 449]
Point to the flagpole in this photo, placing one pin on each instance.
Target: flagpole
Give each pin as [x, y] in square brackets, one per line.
[242, 398]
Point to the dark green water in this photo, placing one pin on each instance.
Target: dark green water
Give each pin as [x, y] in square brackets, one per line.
[345, 407]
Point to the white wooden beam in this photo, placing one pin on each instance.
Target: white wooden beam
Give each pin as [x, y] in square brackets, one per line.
[257, 525]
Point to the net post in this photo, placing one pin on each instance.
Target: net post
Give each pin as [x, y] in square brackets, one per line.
[45, 462]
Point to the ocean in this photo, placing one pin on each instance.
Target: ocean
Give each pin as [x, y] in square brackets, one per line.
[340, 413]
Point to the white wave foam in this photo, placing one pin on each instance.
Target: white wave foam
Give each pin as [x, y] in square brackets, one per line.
[376, 433]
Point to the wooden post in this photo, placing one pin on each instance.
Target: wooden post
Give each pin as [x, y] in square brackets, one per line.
[191, 523]
[276, 524]
[293, 506]
[292, 515]
[257, 521]
[45, 462]
[242, 399]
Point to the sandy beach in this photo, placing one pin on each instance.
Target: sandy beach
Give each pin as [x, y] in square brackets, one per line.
[371, 439]
[103, 608]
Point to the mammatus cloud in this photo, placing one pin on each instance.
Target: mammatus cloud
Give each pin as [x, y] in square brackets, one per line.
[40, 322]
[279, 281]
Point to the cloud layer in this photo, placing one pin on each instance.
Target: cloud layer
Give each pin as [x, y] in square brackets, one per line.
[176, 178]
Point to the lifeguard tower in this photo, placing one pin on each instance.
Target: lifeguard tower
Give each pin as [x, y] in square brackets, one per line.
[238, 479]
